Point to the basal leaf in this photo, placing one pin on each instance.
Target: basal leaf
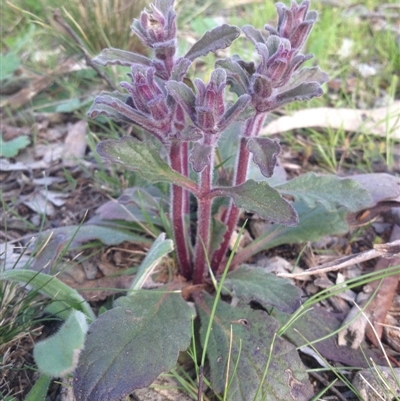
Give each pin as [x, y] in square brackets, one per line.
[52, 287]
[265, 154]
[159, 249]
[260, 198]
[248, 349]
[329, 190]
[144, 158]
[129, 346]
[255, 284]
[218, 38]
[57, 355]
[314, 223]
[318, 323]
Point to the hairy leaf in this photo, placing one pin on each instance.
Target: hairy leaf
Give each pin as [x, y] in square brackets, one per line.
[236, 76]
[52, 287]
[218, 38]
[260, 198]
[255, 284]
[329, 190]
[248, 350]
[314, 223]
[304, 91]
[58, 354]
[318, 323]
[144, 158]
[120, 57]
[265, 154]
[253, 34]
[129, 346]
[313, 74]
[183, 95]
[200, 156]
[158, 250]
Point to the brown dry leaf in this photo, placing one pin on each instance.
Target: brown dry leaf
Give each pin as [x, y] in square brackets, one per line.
[75, 143]
[381, 121]
[382, 302]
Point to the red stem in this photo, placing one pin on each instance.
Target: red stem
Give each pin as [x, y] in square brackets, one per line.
[178, 214]
[204, 202]
[252, 129]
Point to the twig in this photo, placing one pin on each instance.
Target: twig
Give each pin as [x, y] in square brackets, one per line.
[326, 384]
[388, 250]
[61, 21]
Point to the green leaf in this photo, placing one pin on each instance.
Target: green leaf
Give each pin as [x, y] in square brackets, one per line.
[158, 250]
[255, 284]
[314, 223]
[51, 287]
[129, 346]
[9, 63]
[218, 38]
[58, 355]
[12, 147]
[39, 390]
[144, 158]
[329, 190]
[260, 198]
[248, 349]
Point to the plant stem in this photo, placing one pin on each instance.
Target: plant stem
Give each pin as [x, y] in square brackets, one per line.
[204, 202]
[231, 218]
[178, 207]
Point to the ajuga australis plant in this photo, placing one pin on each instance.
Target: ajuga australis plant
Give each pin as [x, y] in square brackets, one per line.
[180, 125]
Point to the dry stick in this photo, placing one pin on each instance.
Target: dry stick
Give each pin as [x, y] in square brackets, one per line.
[385, 250]
[326, 384]
[60, 20]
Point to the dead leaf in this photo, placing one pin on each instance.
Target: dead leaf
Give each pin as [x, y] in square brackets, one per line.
[382, 302]
[382, 121]
[75, 143]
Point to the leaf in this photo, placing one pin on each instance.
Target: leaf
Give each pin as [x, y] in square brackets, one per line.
[9, 63]
[304, 91]
[216, 39]
[39, 390]
[120, 57]
[12, 147]
[314, 223]
[57, 355]
[265, 154]
[183, 95]
[236, 76]
[329, 190]
[318, 323]
[252, 337]
[267, 289]
[200, 156]
[240, 111]
[158, 250]
[144, 158]
[52, 287]
[260, 198]
[129, 346]
[253, 34]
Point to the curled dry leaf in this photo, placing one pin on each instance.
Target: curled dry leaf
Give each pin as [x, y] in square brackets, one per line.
[379, 121]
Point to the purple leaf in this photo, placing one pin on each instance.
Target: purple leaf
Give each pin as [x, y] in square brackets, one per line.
[183, 95]
[253, 34]
[200, 156]
[218, 38]
[180, 69]
[237, 77]
[265, 154]
[304, 91]
[242, 109]
[113, 56]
